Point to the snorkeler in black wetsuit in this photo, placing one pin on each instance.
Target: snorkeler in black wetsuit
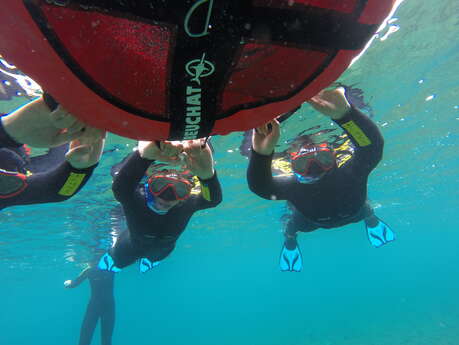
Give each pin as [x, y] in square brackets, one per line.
[36, 125]
[320, 194]
[158, 211]
[101, 304]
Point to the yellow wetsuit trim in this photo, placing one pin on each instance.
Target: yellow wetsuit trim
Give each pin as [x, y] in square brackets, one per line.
[196, 186]
[202, 188]
[71, 185]
[205, 192]
[357, 133]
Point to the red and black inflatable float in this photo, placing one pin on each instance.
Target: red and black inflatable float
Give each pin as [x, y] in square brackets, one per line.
[182, 69]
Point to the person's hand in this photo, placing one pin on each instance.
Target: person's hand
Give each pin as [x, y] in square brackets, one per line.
[68, 284]
[166, 151]
[199, 158]
[86, 151]
[36, 125]
[265, 137]
[331, 103]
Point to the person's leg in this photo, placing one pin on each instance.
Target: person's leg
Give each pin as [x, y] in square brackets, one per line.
[107, 321]
[296, 223]
[291, 258]
[89, 322]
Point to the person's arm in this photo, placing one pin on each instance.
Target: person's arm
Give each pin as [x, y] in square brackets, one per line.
[363, 133]
[199, 160]
[86, 151]
[365, 136]
[129, 175]
[211, 193]
[36, 125]
[73, 283]
[261, 181]
[5, 139]
[259, 174]
[56, 185]
[65, 180]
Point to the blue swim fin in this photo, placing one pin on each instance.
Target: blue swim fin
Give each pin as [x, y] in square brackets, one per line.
[145, 265]
[290, 259]
[380, 235]
[106, 263]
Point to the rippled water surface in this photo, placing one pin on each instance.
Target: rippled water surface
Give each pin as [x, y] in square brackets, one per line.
[222, 285]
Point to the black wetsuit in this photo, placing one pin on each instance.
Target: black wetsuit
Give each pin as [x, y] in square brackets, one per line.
[151, 235]
[57, 184]
[339, 197]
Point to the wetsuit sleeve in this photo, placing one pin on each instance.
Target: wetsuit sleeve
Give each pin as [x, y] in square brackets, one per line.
[130, 172]
[365, 136]
[211, 193]
[5, 139]
[55, 185]
[261, 180]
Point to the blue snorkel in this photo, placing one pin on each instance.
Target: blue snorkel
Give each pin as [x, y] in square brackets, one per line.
[150, 199]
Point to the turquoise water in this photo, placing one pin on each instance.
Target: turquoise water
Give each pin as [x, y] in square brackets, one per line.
[222, 284]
